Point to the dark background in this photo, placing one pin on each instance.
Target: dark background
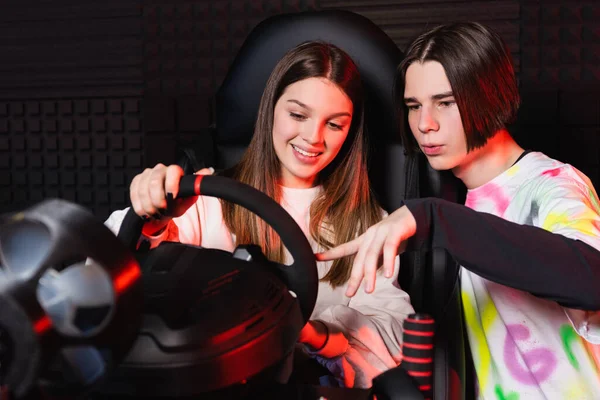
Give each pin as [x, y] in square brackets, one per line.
[91, 92]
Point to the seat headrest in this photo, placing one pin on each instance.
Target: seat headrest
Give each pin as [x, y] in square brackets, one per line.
[373, 51]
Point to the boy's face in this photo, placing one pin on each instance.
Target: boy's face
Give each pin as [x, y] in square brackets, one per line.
[433, 115]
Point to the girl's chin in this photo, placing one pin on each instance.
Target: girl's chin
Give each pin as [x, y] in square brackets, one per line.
[300, 179]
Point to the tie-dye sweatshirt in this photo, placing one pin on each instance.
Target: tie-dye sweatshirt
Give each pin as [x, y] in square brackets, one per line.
[529, 296]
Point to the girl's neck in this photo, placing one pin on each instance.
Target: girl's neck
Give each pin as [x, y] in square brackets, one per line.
[484, 164]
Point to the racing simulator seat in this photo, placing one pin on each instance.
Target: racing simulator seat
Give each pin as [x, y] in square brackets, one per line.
[68, 306]
[431, 279]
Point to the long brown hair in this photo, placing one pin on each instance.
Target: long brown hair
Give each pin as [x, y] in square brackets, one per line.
[346, 206]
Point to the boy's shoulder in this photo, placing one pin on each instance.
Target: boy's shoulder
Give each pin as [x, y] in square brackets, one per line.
[540, 167]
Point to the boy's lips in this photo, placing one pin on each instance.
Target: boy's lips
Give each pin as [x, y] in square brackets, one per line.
[432, 149]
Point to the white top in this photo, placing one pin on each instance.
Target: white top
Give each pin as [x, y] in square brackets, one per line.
[372, 323]
[523, 346]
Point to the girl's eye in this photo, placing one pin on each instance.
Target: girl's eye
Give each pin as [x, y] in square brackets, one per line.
[413, 107]
[298, 117]
[335, 126]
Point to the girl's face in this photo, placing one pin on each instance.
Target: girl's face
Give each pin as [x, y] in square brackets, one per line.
[310, 124]
[433, 115]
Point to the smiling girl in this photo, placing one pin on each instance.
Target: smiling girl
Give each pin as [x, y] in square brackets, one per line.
[308, 153]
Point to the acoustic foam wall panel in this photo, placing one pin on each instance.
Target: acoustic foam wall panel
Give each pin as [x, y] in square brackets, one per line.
[83, 150]
[92, 92]
[560, 47]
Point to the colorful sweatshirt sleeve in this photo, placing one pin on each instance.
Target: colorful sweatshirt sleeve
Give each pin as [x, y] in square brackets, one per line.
[372, 325]
[570, 208]
[549, 265]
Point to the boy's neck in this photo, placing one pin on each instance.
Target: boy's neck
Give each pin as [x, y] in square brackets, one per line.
[484, 164]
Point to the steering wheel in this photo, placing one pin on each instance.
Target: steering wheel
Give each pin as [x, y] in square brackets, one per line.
[214, 319]
[69, 308]
[300, 277]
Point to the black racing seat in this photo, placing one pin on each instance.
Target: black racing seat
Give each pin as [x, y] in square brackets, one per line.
[431, 279]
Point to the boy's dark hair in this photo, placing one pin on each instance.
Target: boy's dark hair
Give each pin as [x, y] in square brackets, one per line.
[479, 68]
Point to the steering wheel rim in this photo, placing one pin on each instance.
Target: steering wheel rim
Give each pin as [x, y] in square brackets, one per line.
[69, 231]
[300, 277]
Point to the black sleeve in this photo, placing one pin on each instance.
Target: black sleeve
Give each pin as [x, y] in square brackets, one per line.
[523, 257]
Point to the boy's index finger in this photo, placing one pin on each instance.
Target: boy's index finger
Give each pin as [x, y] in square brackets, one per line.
[340, 251]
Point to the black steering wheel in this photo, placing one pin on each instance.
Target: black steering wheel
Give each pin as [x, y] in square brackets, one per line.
[300, 277]
[70, 300]
[215, 320]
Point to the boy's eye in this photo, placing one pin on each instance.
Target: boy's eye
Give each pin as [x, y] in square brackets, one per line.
[446, 103]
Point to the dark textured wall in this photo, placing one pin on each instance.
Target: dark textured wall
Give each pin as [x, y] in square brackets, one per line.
[560, 81]
[92, 92]
[71, 86]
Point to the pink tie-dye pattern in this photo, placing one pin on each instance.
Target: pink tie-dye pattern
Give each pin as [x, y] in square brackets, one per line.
[490, 192]
[552, 172]
[542, 358]
[528, 359]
